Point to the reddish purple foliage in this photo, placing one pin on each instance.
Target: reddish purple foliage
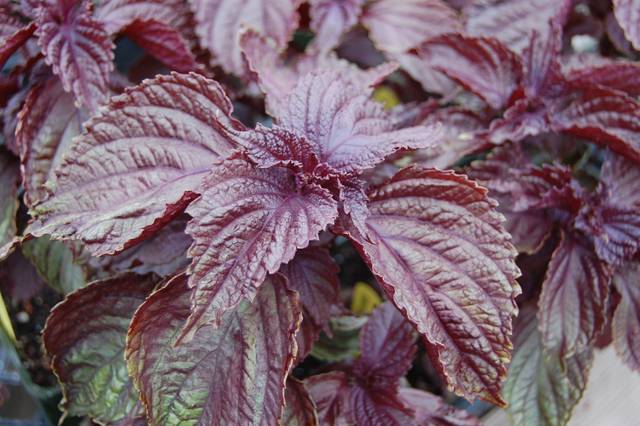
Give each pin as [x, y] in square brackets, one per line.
[240, 196]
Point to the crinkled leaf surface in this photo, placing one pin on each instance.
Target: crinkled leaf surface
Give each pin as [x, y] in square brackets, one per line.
[441, 254]
[78, 49]
[55, 263]
[278, 76]
[540, 60]
[330, 19]
[139, 163]
[299, 408]
[219, 25]
[233, 374]
[541, 388]
[348, 130]
[400, 26]
[513, 21]
[246, 223]
[85, 337]
[9, 181]
[626, 320]
[163, 42]
[380, 407]
[482, 65]
[48, 122]
[314, 274]
[627, 13]
[623, 76]
[573, 299]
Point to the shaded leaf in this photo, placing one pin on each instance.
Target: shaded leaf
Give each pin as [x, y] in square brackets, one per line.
[329, 392]
[219, 25]
[246, 223]
[55, 263]
[626, 319]
[19, 280]
[483, 66]
[573, 299]
[376, 408]
[234, 374]
[431, 410]
[343, 343]
[439, 251]
[156, 141]
[162, 42]
[603, 116]
[9, 181]
[627, 13]
[314, 275]
[348, 130]
[401, 26]
[299, 408]
[543, 388]
[387, 344]
[78, 49]
[85, 337]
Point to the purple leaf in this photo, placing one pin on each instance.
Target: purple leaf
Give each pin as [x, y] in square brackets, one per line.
[314, 275]
[78, 49]
[543, 76]
[118, 14]
[163, 254]
[418, 66]
[157, 141]
[401, 26]
[47, 123]
[387, 345]
[549, 186]
[19, 280]
[9, 44]
[623, 76]
[573, 299]
[377, 408]
[348, 130]
[299, 408]
[513, 21]
[483, 66]
[278, 76]
[627, 13]
[246, 223]
[219, 25]
[85, 337]
[626, 320]
[330, 392]
[234, 374]
[433, 411]
[439, 250]
[162, 42]
[606, 117]
[9, 182]
[330, 20]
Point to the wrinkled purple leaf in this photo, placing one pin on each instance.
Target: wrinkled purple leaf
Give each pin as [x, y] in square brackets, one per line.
[246, 223]
[156, 142]
[234, 374]
[626, 320]
[330, 19]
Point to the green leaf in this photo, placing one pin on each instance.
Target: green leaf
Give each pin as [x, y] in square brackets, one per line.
[538, 389]
[85, 338]
[9, 178]
[55, 263]
[344, 343]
